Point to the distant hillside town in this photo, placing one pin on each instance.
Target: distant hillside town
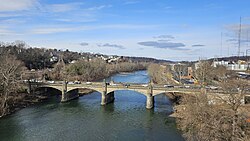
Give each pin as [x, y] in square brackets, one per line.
[39, 58]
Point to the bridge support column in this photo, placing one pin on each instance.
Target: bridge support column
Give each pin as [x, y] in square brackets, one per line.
[64, 91]
[110, 97]
[104, 93]
[107, 98]
[150, 101]
[29, 87]
[103, 102]
[150, 97]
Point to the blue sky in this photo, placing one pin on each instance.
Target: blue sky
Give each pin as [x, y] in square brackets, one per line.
[163, 29]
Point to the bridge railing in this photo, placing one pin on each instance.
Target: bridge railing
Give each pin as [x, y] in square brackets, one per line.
[132, 86]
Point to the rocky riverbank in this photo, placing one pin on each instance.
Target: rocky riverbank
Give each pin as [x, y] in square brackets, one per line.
[23, 100]
[178, 104]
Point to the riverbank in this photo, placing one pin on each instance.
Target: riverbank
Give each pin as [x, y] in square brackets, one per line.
[195, 117]
[179, 105]
[177, 102]
[22, 100]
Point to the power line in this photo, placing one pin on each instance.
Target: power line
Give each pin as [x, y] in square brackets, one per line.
[247, 38]
[239, 38]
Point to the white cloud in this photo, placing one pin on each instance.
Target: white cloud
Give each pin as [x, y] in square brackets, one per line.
[85, 19]
[61, 29]
[63, 7]
[12, 21]
[127, 2]
[128, 26]
[16, 5]
[99, 7]
[165, 37]
[4, 31]
[5, 15]
[51, 30]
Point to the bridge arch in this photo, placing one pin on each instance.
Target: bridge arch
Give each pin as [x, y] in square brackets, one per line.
[80, 88]
[44, 87]
[110, 96]
[137, 91]
[48, 92]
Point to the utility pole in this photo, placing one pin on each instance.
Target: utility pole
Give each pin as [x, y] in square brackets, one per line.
[248, 50]
[221, 45]
[239, 39]
[247, 38]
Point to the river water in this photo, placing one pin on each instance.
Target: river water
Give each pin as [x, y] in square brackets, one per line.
[84, 119]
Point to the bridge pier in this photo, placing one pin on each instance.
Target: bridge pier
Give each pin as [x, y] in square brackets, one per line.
[64, 91]
[67, 96]
[106, 98]
[150, 97]
[104, 92]
[29, 87]
[150, 101]
[103, 101]
[110, 97]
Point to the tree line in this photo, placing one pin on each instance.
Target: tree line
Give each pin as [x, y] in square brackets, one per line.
[93, 70]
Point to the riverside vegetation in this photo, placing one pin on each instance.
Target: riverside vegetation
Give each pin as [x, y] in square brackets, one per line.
[197, 118]
[93, 70]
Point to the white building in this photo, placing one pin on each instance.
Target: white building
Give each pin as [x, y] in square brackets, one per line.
[239, 66]
[54, 59]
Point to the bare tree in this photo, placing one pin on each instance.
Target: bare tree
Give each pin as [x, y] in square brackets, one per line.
[225, 120]
[204, 72]
[180, 70]
[235, 90]
[10, 72]
[156, 72]
[220, 73]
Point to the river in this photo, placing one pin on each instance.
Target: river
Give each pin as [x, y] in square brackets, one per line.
[84, 119]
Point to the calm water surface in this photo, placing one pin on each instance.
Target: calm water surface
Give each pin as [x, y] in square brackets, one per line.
[84, 119]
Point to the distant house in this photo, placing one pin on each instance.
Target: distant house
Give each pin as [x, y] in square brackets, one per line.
[231, 65]
[223, 63]
[54, 59]
[72, 62]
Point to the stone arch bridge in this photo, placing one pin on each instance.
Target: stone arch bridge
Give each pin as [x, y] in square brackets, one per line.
[70, 91]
